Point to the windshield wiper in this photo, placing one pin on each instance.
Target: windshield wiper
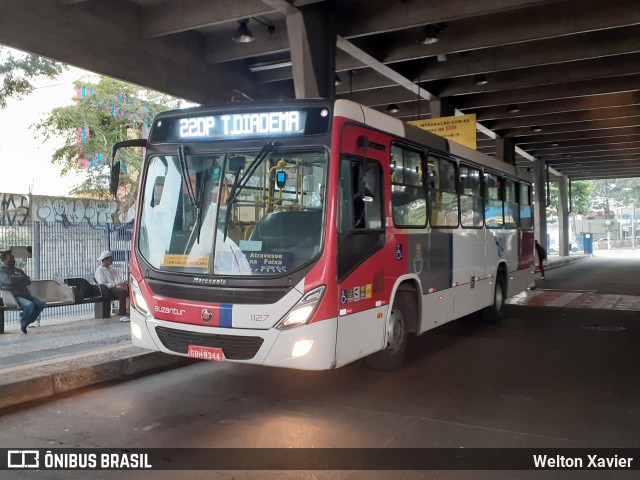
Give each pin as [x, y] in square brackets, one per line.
[195, 202]
[200, 207]
[239, 183]
[186, 176]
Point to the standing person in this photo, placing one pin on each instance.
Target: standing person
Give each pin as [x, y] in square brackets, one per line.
[14, 280]
[542, 256]
[109, 276]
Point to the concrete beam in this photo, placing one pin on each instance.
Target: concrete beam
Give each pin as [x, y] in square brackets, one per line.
[551, 119]
[591, 45]
[593, 126]
[385, 16]
[104, 38]
[579, 136]
[513, 27]
[628, 83]
[540, 202]
[312, 43]
[563, 216]
[178, 16]
[561, 106]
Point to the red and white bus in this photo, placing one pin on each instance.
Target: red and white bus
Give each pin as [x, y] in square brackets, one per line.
[309, 234]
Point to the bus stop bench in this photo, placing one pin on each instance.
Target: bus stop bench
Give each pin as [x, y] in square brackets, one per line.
[56, 295]
[86, 292]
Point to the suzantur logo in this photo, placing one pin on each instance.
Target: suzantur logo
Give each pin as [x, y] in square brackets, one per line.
[178, 312]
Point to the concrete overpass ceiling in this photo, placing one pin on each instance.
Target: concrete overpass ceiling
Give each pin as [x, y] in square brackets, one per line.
[561, 77]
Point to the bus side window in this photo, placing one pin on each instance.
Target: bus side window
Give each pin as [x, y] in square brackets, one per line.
[526, 219]
[493, 207]
[409, 206]
[360, 205]
[511, 211]
[471, 203]
[443, 195]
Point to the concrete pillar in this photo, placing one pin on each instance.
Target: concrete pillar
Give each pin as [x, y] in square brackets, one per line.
[312, 41]
[439, 108]
[540, 200]
[506, 150]
[563, 216]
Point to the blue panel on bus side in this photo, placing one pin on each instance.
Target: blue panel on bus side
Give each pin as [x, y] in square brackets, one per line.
[430, 257]
[226, 310]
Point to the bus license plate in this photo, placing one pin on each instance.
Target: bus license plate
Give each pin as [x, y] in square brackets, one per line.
[206, 353]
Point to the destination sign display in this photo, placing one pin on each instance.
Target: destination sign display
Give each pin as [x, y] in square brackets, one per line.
[238, 125]
[241, 125]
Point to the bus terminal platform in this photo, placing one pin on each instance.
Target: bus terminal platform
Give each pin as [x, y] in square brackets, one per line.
[62, 355]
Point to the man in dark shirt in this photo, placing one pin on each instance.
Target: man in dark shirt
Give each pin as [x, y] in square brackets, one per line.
[542, 256]
[14, 280]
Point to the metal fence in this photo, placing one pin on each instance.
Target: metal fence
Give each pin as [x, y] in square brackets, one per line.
[62, 251]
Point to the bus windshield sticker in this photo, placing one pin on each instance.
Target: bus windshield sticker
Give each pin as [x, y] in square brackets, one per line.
[192, 261]
[276, 262]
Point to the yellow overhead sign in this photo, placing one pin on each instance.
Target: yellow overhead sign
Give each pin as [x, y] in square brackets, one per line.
[460, 128]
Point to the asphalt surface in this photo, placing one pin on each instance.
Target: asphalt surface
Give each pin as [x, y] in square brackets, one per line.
[61, 356]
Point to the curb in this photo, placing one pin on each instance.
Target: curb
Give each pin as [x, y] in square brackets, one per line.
[561, 262]
[48, 385]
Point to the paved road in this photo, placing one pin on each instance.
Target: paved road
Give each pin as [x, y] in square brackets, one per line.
[546, 377]
[614, 274]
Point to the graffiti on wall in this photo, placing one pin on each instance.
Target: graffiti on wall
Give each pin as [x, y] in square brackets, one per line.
[72, 211]
[14, 209]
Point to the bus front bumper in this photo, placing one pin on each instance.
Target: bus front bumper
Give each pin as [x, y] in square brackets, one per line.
[309, 347]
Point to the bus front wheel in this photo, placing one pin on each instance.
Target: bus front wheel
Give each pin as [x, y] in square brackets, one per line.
[495, 313]
[392, 356]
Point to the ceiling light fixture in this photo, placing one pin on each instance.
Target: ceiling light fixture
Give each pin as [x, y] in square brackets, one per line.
[513, 108]
[536, 128]
[431, 34]
[393, 108]
[555, 144]
[338, 80]
[243, 35]
[480, 80]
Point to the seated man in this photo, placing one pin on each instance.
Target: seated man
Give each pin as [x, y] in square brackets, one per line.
[109, 276]
[14, 280]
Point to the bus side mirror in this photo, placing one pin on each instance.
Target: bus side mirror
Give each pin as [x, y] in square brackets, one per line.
[114, 180]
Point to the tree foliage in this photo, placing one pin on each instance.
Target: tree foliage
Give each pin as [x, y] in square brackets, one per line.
[111, 112]
[19, 69]
[581, 193]
[617, 192]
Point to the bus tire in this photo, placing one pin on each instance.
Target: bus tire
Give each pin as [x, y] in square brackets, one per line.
[495, 313]
[392, 356]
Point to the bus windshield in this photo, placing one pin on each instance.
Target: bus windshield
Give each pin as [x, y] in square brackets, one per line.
[241, 213]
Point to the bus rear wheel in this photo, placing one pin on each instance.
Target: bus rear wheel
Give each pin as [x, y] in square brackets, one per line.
[496, 312]
[392, 356]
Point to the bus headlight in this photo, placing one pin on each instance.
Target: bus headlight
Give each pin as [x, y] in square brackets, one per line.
[302, 311]
[137, 299]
